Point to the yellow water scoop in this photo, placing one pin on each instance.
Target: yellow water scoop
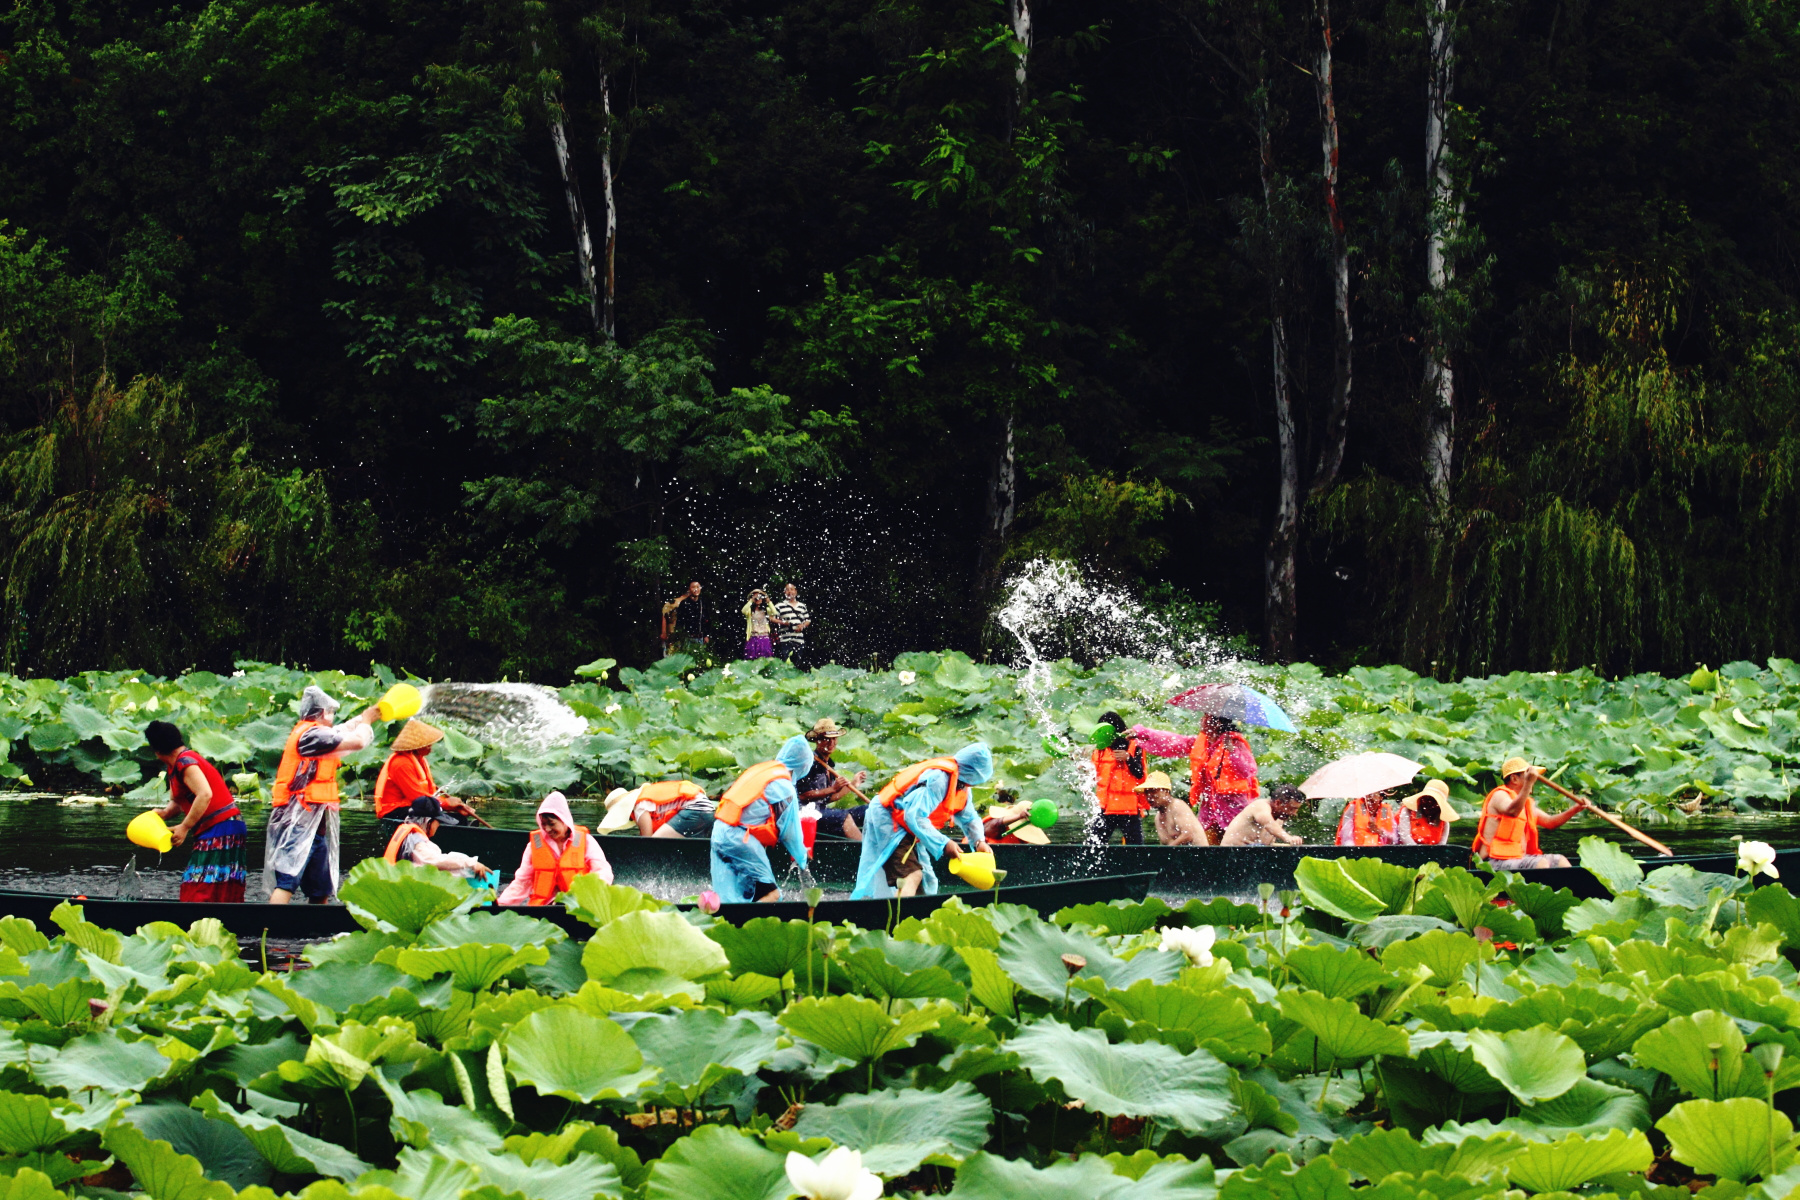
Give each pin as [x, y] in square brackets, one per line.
[148, 830]
[976, 870]
[401, 701]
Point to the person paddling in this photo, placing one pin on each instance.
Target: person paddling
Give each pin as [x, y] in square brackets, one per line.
[406, 775]
[302, 852]
[758, 810]
[412, 842]
[198, 795]
[558, 851]
[1507, 833]
[1425, 816]
[905, 832]
[1261, 822]
[824, 786]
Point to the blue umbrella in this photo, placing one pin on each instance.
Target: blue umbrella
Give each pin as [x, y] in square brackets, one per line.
[1237, 702]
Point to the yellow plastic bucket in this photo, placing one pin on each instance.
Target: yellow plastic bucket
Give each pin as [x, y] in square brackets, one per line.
[976, 870]
[148, 830]
[401, 701]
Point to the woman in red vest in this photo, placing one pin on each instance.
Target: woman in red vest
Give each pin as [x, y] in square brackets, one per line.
[1425, 817]
[198, 795]
[559, 850]
[1118, 769]
[1369, 821]
[1221, 769]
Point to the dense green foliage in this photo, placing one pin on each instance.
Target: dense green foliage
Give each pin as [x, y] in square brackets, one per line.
[295, 363]
[1655, 748]
[1427, 1034]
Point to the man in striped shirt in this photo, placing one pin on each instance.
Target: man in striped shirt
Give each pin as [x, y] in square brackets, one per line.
[793, 618]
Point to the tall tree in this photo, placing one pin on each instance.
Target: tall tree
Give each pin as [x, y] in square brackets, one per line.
[1337, 417]
[1443, 215]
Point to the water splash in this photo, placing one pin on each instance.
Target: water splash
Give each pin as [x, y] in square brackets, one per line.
[130, 886]
[524, 716]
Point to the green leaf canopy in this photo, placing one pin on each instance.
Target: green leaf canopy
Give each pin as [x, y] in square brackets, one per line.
[898, 1130]
[563, 1051]
[1143, 1080]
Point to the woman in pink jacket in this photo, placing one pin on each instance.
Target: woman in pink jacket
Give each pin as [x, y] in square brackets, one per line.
[559, 850]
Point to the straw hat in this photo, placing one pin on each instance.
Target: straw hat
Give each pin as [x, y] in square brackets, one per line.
[1438, 790]
[416, 735]
[621, 806]
[1153, 781]
[824, 728]
[1513, 766]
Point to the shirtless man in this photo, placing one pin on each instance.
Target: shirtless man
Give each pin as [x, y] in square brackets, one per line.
[1176, 824]
[1260, 824]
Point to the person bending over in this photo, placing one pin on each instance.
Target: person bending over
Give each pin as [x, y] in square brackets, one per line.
[412, 841]
[1261, 821]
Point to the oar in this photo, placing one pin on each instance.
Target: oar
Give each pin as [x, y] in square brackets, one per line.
[846, 780]
[476, 815]
[1603, 814]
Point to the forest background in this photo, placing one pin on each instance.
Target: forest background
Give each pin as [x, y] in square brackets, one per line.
[1460, 335]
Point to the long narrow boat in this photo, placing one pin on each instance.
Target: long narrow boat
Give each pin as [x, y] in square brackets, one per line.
[300, 922]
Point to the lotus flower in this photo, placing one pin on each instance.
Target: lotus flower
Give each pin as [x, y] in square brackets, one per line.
[837, 1176]
[1757, 858]
[709, 901]
[610, 709]
[908, 678]
[727, 671]
[1196, 943]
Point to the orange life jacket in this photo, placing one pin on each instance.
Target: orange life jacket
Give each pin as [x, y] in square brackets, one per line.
[1212, 772]
[748, 790]
[955, 798]
[1116, 782]
[314, 779]
[551, 873]
[1503, 837]
[407, 828]
[404, 776]
[1424, 832]
[1381, 828]
[669, 797]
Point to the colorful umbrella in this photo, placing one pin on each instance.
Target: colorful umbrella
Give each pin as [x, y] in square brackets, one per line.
[1236, 701]
[1360, 775]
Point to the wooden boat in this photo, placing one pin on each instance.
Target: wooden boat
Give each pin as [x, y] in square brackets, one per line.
[1587, 887]
[302, 922]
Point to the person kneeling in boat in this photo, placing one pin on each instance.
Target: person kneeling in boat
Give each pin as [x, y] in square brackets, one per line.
[1507, 833]
[674, 808]
[907, 820]
[1010, 825]
[302, 850]
[406, 776]
[198, 795]
[412, 841]
[1369, 821]
[758, 810]
[1176, 823]
[559, 850]
[1425, 816]
[1260, 824]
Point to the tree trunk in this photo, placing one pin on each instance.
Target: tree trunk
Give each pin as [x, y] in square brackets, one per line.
[608, 307]
[1443, 214]
[584, 242]
[1280, 597]
[1337, 419]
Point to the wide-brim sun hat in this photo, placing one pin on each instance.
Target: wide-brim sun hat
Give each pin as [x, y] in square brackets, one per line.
[620, 805]
[416, 735]
[1438, 790]
[1154, 781]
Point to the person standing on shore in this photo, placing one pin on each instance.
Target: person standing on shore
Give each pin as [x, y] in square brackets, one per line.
[684, 625]
[793, 619]
[198, 795]
[759, 626]
[302, 851]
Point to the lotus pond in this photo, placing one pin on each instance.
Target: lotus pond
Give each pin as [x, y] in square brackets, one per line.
[1377, 1032]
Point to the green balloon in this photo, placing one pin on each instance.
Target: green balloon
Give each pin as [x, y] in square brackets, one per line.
[1103, 735]
[1044, 813]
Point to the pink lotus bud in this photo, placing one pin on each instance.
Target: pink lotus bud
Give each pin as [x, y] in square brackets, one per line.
[709, 901]
[98, 1009]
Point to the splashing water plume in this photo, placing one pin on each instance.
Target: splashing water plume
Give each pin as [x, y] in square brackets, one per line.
[524, 716]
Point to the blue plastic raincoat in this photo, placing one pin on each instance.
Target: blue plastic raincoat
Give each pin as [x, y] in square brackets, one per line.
[739, 861]
[881, 836]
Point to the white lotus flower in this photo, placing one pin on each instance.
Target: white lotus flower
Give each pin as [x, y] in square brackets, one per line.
[610, 709]
[1757, 858]
[1196, 943]
[727, 671]
[907, 678]
[837, 1176]
[1173, 681]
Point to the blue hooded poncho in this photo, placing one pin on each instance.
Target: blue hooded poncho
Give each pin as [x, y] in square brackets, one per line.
[882, 836]
[739, 861]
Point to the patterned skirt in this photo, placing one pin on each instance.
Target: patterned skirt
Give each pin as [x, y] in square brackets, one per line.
[215, 870]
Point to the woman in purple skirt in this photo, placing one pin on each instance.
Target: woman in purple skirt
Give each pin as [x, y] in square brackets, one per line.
[757, 627]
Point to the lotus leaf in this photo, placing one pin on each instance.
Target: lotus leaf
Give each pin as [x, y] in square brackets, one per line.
[398, 897]
[700, 1048]
[990, 1177]
[160, 1171]
[1032, 954]
[422, 1119]
[1611, 865]
[1728, 1138]
[1534, 1064]
[223, 1152]
[1344, 974]
[1116, 916]
[661, 941]
[342, 1060]
[870, 968]
[716, 1163]
[342, 987]
[989, 982]
[1219, 1020]
[581, 1177]
[1704, 1054]
[599, 903]
[563, 1051]
[490, 929]
[1328, 887]
[1189, 1090]
[472, 968]
[1344, 1034]
[858, 1029]
[286, 1150]
[1445, 954]
[1376, 1155]
[898, 1130]
[1560, 1166]
[103, 1062]
[765, 945]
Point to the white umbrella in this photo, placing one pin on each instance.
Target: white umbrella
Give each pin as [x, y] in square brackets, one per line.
[1360, 775]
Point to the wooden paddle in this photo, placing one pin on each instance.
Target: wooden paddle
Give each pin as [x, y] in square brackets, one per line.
[1604, 815]
[846, 781]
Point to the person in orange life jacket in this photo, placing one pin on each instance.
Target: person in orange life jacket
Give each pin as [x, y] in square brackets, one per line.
[755, 812]
[674, 808]
[198, 795]
[1260, 824]
[302, 847]
[1425, 816]
[906, 823]
[1369, 821]
[1176, 824]
[406, 775]
[1118, 769]
[1507, 832]
[1007, 825]
[558, 851]
[823, 785]
[412, 841]
[1221, 768]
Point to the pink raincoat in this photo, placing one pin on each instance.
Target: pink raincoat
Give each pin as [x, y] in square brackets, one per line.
[519, 890]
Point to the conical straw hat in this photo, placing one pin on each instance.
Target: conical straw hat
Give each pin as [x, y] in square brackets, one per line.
[416, 735]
